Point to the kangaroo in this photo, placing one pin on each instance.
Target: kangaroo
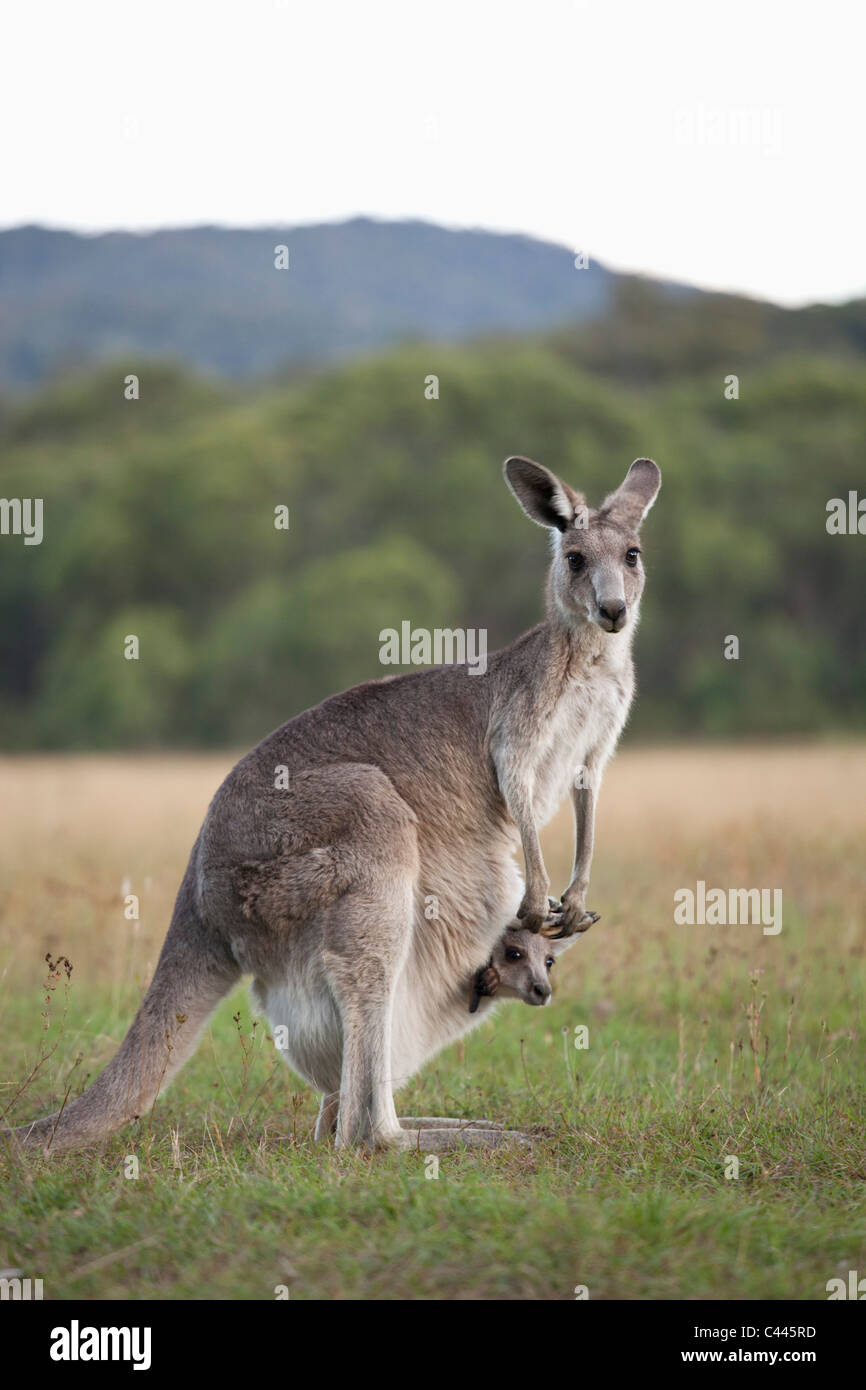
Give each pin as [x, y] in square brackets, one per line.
[360, 859]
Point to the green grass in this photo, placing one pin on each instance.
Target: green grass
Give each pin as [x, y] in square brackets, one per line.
[703, 1044]
[626, 1195]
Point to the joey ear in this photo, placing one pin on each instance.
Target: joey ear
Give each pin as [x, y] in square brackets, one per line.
[544, 497]
[637, 492]
[558, 944]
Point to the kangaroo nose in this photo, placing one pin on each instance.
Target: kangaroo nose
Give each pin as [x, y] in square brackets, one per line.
[613, 610]
[542, 992]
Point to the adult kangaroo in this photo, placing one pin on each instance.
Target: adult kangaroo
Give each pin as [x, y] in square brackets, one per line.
[359, 862]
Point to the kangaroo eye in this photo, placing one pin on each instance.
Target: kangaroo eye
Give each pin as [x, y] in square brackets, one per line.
[513, 954]
[549, 962]
[575, 560]
[631, 556]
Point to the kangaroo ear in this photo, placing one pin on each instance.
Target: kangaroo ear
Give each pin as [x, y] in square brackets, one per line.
[545, 499]
[636, 494]
[558, 944]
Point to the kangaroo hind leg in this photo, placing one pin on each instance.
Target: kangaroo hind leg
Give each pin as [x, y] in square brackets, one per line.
[363, 970]
[367, 936]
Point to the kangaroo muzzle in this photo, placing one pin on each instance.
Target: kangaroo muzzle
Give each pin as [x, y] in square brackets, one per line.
[612, 614]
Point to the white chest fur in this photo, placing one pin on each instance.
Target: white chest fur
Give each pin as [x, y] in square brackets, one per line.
[579, 735]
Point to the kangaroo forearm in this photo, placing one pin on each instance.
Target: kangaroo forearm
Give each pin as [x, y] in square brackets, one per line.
[517, 796]
[520, 806]
[584, 802]
[536, 872]
[533, 908]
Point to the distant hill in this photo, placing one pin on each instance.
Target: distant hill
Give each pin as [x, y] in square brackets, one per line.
[211, 298]
[649, 336]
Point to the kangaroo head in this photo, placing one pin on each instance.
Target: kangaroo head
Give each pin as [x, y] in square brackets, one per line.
[596, 575]
[523, 961]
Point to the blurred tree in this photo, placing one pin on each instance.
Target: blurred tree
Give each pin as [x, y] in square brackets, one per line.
[159, 516]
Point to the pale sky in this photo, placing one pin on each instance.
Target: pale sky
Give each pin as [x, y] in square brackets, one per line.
[716, 144]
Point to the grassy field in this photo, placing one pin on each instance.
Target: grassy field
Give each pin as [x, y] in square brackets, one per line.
[705, 1043]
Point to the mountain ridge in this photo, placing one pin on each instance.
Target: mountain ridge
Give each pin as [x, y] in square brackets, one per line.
[211, 296]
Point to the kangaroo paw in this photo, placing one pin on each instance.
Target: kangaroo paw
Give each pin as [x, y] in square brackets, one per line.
[564, 921]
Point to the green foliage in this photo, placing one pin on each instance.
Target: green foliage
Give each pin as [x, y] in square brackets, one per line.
[93, 696]
[159, 521]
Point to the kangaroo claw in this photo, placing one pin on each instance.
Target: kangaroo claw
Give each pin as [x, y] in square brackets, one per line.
[560, 922]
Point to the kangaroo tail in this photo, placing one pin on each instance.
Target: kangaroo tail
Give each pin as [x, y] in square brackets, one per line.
[194, 972]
